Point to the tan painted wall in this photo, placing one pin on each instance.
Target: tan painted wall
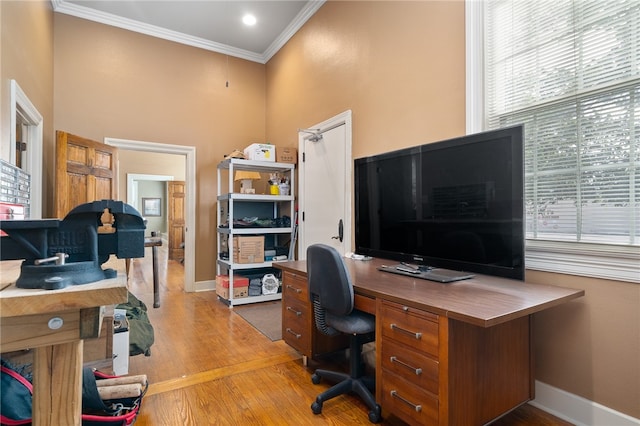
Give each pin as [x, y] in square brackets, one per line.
[399, 66]
[111, 82]
[147, 163]
[125, 85]
[27, 57]
[591, 346]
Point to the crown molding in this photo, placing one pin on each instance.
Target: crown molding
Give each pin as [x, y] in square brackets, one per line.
[301, 18]
[72, 9]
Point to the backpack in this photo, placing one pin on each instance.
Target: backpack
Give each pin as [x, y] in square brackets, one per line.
[15, 394]
[17, 391]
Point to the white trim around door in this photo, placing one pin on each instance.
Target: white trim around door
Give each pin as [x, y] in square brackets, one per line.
[190, 196]
[20, 104]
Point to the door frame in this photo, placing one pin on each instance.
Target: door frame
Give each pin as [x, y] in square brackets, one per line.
[189, 152]
[344, 118]
[132, 185]
[20, 104]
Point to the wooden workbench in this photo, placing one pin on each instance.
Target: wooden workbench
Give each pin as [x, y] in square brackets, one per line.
[54, 323]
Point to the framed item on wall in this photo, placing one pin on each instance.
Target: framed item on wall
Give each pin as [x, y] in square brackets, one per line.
[151, 207]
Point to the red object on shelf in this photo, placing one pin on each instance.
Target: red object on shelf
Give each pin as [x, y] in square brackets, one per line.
[10, 211]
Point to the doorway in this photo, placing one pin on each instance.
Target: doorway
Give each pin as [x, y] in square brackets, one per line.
[25, 117]
[169, 189]
[143, 186]
[189, 155]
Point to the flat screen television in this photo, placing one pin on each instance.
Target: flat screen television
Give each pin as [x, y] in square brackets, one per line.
[455, 204]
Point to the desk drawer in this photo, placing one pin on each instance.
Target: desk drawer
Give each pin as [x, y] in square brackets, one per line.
[364, 304]
[296, 324]
[297, 339]
[295, 286]
[294, 310]
[416, 328]
[405, 362]
[408, 402]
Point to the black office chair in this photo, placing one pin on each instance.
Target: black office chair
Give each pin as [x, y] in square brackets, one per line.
[331, 294]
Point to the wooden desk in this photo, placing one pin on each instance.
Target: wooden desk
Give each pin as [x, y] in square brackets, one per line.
[54, 322]
[446, 354]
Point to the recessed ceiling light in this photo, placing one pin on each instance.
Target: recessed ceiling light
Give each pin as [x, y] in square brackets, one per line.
[249, 19]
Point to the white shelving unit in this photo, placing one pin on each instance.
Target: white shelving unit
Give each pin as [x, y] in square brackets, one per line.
[234, 206]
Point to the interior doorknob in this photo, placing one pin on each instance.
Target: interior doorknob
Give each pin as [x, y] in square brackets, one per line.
[340, 235]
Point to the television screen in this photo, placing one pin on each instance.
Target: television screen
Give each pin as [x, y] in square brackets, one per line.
[455, 204]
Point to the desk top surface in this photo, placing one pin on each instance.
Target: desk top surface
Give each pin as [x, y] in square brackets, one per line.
[16, 301]
[483, 300]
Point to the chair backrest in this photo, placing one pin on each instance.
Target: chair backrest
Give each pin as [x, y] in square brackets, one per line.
[329, 280]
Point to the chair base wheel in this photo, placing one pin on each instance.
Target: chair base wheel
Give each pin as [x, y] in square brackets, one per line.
[316, 407]
[375, 415]
[315, 379]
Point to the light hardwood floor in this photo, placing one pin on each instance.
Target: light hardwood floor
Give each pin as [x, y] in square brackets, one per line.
[208, 366]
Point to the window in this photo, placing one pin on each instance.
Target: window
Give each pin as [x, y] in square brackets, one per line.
[569, 70]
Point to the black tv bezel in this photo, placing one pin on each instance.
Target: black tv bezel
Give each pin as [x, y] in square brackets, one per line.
[516, 135]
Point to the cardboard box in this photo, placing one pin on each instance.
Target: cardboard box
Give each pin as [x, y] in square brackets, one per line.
[260, 152]
[287, 155]
[248, 249]
[240, 286]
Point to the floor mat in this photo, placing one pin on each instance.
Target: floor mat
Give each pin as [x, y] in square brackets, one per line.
[266, 317]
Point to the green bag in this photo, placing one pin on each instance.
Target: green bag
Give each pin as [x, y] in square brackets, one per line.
[141, 335]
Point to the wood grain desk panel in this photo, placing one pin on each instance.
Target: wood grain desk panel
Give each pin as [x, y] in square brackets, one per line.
[57, 366]
[484, 300]
[478, 349]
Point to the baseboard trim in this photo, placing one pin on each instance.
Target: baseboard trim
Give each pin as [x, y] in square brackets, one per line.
[209, 285]
[577, 410]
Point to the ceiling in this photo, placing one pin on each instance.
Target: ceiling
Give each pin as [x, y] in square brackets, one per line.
[214, 25]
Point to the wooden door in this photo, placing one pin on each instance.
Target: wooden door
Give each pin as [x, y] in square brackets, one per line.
[176, 220]
[86, 171]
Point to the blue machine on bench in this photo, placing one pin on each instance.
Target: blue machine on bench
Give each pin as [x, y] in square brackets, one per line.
[58, 253]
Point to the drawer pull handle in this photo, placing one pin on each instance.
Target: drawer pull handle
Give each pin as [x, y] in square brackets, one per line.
[418, 407]
[290, 331]
[297, 290]
[298, 313]
[411, 333]
[395, 359]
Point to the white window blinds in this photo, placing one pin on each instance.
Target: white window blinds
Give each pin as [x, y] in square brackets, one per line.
[570, 71]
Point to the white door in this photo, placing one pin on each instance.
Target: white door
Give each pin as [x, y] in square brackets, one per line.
[326, 185]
